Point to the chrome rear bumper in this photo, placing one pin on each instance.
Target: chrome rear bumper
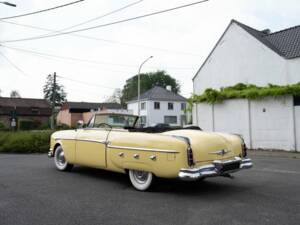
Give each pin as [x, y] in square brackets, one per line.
[216, 168]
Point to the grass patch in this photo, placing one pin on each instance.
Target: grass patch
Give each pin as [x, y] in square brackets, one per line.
[25, 141]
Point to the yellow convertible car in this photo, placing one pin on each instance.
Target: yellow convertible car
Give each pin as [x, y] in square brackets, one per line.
[114, 142]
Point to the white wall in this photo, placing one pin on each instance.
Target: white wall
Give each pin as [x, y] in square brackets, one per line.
[239, 57]
[157, 115]
[203, 116]
[268, 123]
[272, 123]
[297, 124]
[233, 117]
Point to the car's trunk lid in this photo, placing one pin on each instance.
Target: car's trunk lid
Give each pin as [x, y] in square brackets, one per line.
[207, 146]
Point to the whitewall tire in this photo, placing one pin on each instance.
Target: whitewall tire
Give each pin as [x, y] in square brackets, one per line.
[141, 180]
[60, 160]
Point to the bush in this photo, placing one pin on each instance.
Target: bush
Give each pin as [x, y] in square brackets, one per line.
[3, 127]
[246, 91]
[25, 141]
[29, 124]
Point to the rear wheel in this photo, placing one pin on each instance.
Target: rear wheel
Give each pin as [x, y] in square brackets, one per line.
[141, 180]
[60, 160]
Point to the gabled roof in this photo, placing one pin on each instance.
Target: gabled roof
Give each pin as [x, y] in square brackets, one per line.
[160, 94]
[285, 43]
[24, 102]
[91, 105]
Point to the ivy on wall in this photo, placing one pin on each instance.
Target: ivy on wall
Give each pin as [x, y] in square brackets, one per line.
[245, 91]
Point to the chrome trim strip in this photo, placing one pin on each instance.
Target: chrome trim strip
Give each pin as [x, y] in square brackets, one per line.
[141, 149]
[87, 140]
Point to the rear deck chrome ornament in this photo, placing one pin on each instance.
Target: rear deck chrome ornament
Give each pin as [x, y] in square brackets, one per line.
[220, 152]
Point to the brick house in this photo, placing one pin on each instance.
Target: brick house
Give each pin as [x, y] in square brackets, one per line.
[38, 110]
[71, 112]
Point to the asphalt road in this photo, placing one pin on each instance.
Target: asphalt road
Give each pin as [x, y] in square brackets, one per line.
[33, 192]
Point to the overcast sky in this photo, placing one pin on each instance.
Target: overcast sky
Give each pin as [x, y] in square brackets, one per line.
[179, 41]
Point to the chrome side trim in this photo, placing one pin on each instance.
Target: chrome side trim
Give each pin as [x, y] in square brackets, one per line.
[87, 140]
[214, 169]
[141, 149]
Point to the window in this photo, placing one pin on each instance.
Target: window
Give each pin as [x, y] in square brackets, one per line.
[296, 100]
[171, 119]
[183, 106]
[143, 105]
[170, 106]
[156, 105]
[143, 120]
[114, 120]
[35, 111]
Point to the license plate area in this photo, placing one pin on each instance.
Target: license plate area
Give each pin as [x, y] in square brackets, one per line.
[229, 167]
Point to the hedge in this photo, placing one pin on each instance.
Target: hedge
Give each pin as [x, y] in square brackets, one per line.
[29, 124]
[246, 91]
[25, 141]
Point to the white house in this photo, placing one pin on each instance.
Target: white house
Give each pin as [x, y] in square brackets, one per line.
[246, 55]
[159, 105]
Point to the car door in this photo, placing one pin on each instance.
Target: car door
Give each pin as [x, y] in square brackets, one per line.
[91, 147]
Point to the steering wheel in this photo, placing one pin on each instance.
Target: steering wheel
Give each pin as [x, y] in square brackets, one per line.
[104, 125]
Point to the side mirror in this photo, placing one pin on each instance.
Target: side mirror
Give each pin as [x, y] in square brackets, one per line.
[79, 124]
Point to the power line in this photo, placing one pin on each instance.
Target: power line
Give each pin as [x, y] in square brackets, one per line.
[102, 16]
[13, 65]
[104, 40]
[40, 11]
[85, 83]
[84, 60]
[106, 24]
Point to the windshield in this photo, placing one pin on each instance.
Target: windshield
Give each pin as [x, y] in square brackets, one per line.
[120, 121]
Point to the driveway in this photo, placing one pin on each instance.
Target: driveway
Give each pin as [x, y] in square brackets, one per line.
[33, 192]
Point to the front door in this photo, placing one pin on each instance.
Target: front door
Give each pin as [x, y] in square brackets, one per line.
[91, 147]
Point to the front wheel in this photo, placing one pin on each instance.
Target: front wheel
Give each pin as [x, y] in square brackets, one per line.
[141, 180]
[60, 160]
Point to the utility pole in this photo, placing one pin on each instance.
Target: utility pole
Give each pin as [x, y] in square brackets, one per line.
[53, 101]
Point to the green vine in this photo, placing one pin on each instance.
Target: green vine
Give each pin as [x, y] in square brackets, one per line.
[245, 91]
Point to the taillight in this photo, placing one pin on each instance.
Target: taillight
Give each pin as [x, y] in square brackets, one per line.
[244, 147]
[190, 156]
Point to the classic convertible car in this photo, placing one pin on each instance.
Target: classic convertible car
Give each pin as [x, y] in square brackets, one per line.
[114, 142]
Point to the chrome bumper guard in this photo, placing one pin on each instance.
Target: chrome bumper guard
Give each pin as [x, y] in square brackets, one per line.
[216, 168]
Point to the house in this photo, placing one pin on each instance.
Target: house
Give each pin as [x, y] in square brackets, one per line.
[18, 109]
[160, 105]
[249, 56]
[71, 112]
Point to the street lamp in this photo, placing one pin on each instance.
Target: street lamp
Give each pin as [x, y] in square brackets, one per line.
[9, 4]
[139, 83]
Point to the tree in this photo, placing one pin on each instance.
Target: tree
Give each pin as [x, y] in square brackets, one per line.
[116, 96]
[60, 94]
[148, 81]
[15, 94]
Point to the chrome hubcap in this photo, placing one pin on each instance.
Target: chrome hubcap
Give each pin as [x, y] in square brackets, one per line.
[60, 158]
[141, 176]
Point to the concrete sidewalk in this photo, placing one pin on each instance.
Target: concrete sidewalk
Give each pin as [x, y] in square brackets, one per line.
[274, 153]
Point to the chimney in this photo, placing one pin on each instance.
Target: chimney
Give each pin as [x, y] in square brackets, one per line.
[266, 31]
[169, 87]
